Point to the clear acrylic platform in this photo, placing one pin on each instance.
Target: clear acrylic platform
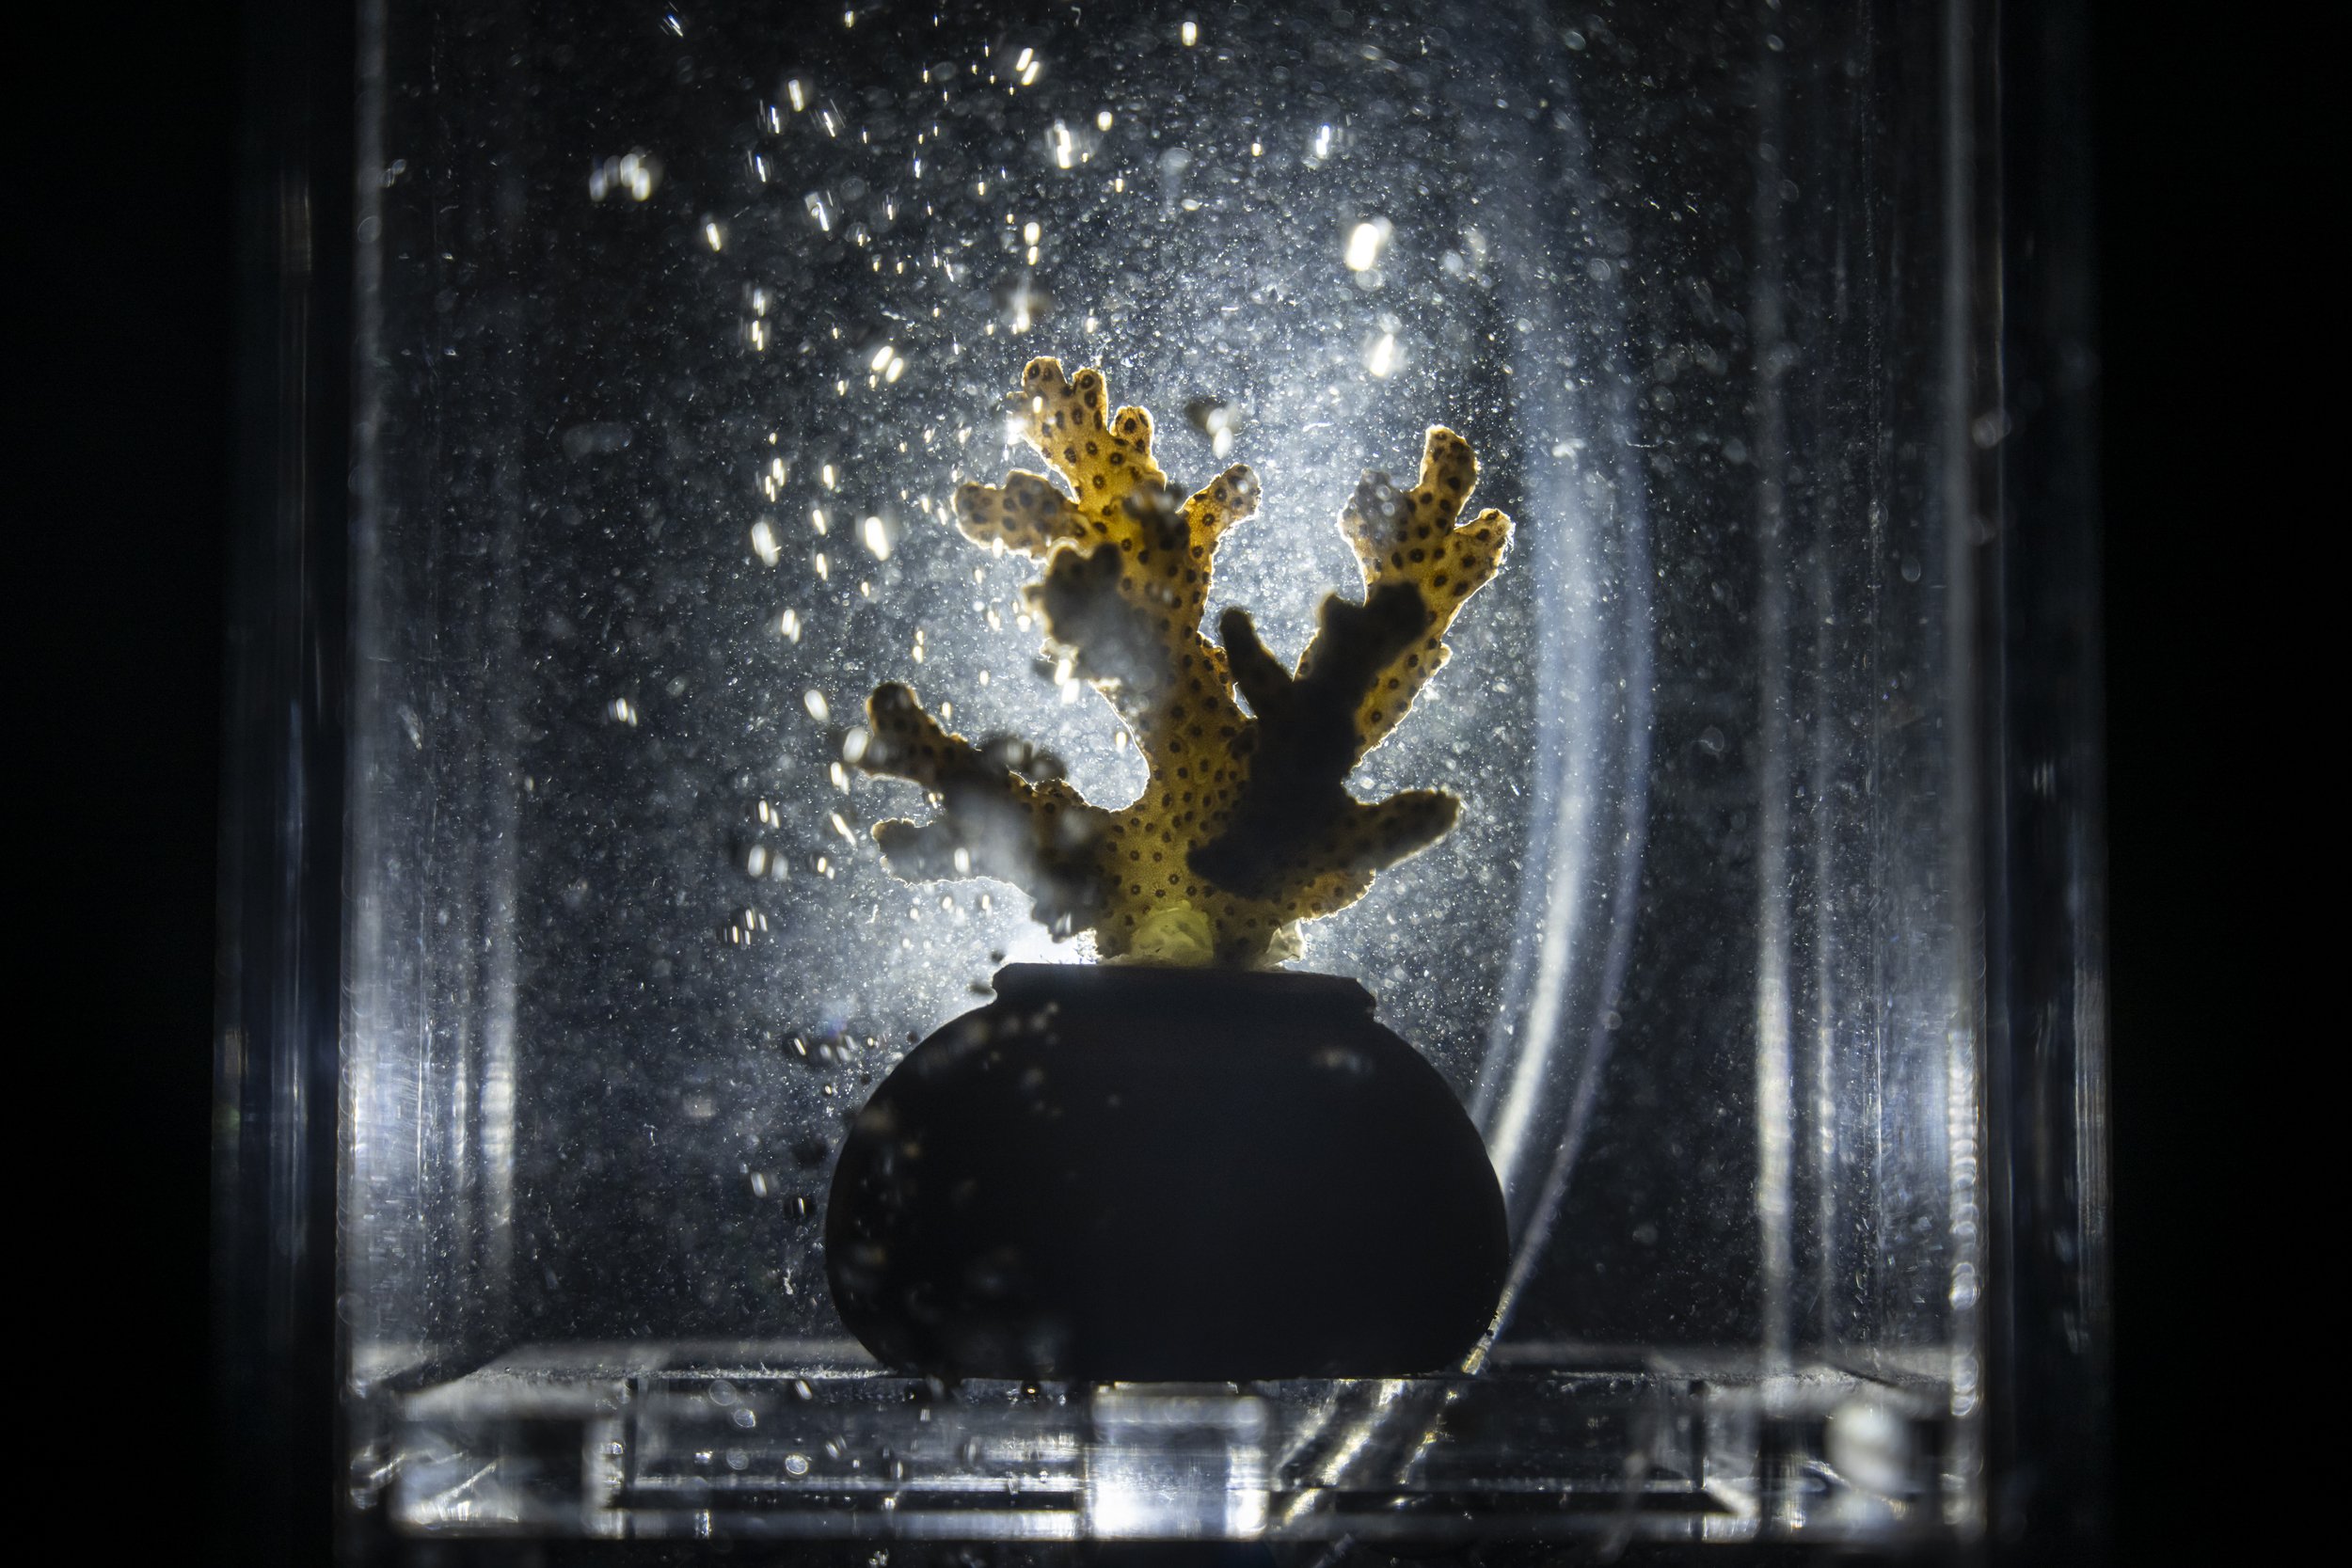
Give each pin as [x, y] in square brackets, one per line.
[811, 1441]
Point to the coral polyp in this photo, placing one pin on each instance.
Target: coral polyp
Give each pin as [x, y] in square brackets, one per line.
[1245, 825]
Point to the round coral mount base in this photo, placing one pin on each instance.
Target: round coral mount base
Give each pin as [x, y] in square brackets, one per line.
[1139, 1174]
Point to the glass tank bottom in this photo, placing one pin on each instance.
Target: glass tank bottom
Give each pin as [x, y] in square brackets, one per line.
[794, 1441]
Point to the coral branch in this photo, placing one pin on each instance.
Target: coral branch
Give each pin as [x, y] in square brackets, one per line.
[1028, 516]
[1041, 836]
[1246, 825]
[1410, 536]
[1294, 815]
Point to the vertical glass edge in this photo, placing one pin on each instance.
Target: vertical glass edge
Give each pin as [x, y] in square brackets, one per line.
[2046, 1330]
[275, 1058]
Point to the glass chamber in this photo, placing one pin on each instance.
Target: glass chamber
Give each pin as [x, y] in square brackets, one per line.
[672, 333]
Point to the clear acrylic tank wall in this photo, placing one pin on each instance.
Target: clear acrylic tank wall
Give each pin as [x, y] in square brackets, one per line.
[670, 334]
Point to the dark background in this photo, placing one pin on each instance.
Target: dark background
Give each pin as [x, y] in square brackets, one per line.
[2210, 207]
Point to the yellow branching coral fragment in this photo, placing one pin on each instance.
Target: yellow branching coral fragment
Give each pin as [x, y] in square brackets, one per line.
[1245, 825]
